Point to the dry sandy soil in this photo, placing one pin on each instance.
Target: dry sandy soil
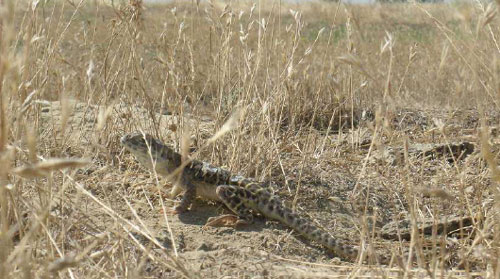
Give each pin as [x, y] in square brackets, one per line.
[120, 202]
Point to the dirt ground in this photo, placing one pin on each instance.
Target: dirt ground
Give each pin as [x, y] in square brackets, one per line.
[351, 195]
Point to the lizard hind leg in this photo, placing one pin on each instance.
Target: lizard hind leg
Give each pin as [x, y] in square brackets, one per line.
[234, 198]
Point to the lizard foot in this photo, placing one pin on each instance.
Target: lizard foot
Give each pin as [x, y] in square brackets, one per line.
[228, 220]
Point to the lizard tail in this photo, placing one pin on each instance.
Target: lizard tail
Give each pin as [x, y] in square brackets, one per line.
[307, 229]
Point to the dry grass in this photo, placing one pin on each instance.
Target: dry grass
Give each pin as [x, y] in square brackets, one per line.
[304, 81]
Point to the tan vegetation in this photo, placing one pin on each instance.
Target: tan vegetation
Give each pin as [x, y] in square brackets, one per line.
[312, 94]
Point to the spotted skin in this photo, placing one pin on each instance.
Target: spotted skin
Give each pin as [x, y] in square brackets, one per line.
[243, 196]
[240, 199]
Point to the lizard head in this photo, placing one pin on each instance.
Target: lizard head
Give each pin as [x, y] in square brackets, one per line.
[140, 145]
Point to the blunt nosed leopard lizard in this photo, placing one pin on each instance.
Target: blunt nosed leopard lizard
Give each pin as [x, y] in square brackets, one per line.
[241, 195]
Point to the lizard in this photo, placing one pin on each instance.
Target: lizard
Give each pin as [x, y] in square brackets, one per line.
[241, 195]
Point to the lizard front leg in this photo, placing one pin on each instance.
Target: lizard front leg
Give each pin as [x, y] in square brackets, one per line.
[187, 198]
[176, 190]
